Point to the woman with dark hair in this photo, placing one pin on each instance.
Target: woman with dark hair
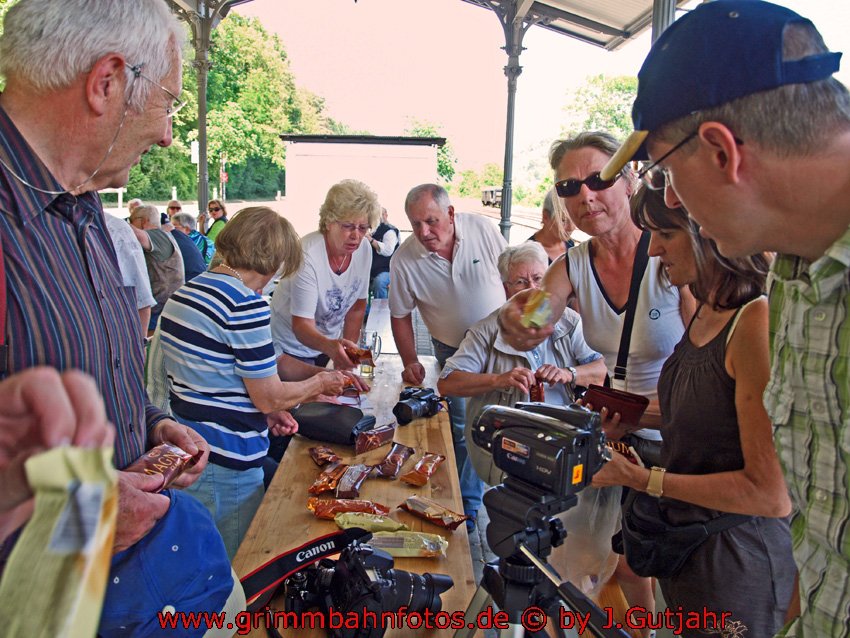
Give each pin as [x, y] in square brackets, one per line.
[718, 444]
[217, 345]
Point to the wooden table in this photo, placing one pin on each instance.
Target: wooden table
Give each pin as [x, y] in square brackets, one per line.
[283, 521]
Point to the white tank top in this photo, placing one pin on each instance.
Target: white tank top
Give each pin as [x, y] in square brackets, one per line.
[658, 325]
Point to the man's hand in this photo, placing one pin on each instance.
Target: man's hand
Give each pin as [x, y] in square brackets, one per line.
[337, 354]
[511, 327]
[40, 409]
[519, 378]
[333, 382]
[553, 374]
[139, 508]
[359, 384]
[169, 431]
[413, 373]
[281, 423]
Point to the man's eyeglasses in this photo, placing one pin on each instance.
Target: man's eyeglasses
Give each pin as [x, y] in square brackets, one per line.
[571, 187]
[350, 228]
[522, 282]
[654, 176]
[174, 105]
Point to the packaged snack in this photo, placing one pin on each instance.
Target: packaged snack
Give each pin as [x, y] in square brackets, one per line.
[369, 522]
[395, 458]
[537, 393]
[432, 511]
[359, 355]
[410, 544]
[374, 438]
[322, 455]
[327, 508]
[424, 469]
[626, 450]
[349, 484]
[328, 479]
[167, 460]
[537, 311]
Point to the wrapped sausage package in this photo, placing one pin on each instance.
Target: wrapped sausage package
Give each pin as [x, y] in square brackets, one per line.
[169, 461]
[54, 582]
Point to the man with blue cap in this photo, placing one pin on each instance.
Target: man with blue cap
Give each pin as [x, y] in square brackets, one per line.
[745, 127]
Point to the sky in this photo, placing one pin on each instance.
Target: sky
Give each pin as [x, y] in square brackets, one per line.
[381, 63]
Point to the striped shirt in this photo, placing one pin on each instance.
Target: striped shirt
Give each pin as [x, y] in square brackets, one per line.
[67, 306]
[808, 400]
[214, 332]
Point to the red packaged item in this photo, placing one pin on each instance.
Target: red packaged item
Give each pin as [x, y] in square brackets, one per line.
[424, 469]
[433, 512]
[395, 458]
[167, 460]
[322, 455]
[626, 450]
[349, 484]
[536, 393]
[329, 479]
[327, 508]
[359, 355]
[374, 438]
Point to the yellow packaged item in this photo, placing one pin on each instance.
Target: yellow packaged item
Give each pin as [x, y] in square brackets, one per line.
[410, 544]
[537, 311]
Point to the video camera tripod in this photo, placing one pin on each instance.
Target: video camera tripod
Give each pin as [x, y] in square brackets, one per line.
[522, 532]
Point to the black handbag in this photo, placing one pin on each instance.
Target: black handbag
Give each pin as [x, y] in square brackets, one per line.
[331, 422]
[653, 547]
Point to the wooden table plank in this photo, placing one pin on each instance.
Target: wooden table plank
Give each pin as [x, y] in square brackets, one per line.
[283, 521]
[379, 321]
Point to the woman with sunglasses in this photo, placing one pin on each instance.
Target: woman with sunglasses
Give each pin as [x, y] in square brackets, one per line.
[718, 440]
[218, 212]
[595, 277]
[320, 309]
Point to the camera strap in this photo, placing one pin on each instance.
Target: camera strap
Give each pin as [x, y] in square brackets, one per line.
[262, 583]
[638, 268]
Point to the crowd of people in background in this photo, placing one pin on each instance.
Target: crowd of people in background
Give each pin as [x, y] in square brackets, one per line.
[714, 284]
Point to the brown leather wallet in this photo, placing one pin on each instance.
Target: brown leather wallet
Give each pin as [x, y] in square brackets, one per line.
[630, 406]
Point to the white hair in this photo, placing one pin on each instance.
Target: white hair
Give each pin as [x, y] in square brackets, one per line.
[148, 212]
[185, 220]
[530, 252]
[49, 43]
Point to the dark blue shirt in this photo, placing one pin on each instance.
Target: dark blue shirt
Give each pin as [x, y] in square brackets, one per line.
[193, 261]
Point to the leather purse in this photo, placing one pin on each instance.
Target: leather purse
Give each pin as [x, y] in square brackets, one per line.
[630, 406]
[331, 422]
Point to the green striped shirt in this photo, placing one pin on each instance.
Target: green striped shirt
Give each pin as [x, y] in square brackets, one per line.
[808, 400]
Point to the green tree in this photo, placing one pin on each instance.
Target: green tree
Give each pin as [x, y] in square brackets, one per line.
[603, 104]
[492, 175]
[446, 159]
[469, 184]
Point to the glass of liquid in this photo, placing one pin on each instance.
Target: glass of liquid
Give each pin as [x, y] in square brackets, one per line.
[370, 340]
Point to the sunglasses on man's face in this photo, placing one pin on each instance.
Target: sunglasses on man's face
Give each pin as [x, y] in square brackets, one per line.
[571, 187]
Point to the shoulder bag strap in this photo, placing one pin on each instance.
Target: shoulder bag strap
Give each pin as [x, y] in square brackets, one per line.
[639, 267]
[3, 346]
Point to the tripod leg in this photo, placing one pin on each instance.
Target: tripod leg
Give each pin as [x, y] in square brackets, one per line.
[480, 601]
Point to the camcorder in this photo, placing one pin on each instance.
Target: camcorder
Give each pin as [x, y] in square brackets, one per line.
[414, 403]
[553, 449]
[363, 582]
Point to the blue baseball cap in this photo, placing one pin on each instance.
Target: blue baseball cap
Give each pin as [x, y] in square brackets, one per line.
[179, 566]
[720, 51]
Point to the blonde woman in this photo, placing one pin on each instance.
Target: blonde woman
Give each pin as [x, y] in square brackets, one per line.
[556, 234]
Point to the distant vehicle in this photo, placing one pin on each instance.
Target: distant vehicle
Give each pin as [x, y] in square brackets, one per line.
[491, 196]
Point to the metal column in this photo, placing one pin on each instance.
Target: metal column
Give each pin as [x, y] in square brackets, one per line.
[663, 15]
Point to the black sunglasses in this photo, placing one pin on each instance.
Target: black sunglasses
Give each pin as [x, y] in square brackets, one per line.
[214, 209]
[571, 187]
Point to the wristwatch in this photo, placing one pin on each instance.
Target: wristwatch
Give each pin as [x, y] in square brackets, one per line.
[575, 374]
[655, 485]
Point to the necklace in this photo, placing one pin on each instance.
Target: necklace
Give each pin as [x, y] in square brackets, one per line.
[235, 272]
[338, 269]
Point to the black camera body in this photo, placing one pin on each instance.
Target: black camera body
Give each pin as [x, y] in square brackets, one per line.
[415, 403]
[555, 449]
[361, 581]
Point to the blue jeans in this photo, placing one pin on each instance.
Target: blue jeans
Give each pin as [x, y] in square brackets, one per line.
[471, 487]
[380, 286]
[232, 497]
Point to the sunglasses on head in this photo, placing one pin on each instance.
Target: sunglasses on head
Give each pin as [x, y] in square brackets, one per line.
[571, 187]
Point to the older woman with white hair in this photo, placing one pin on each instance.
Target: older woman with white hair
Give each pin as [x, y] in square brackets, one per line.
[320, 309]
[556, 234]
[488, 369]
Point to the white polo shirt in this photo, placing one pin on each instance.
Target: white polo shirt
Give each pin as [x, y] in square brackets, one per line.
[451, 295]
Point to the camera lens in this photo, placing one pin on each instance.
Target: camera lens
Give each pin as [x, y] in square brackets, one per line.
[417, 592]
[407, 410]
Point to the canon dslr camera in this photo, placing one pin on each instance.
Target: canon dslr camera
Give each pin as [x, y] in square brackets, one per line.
[363, 581]
[414, 403]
